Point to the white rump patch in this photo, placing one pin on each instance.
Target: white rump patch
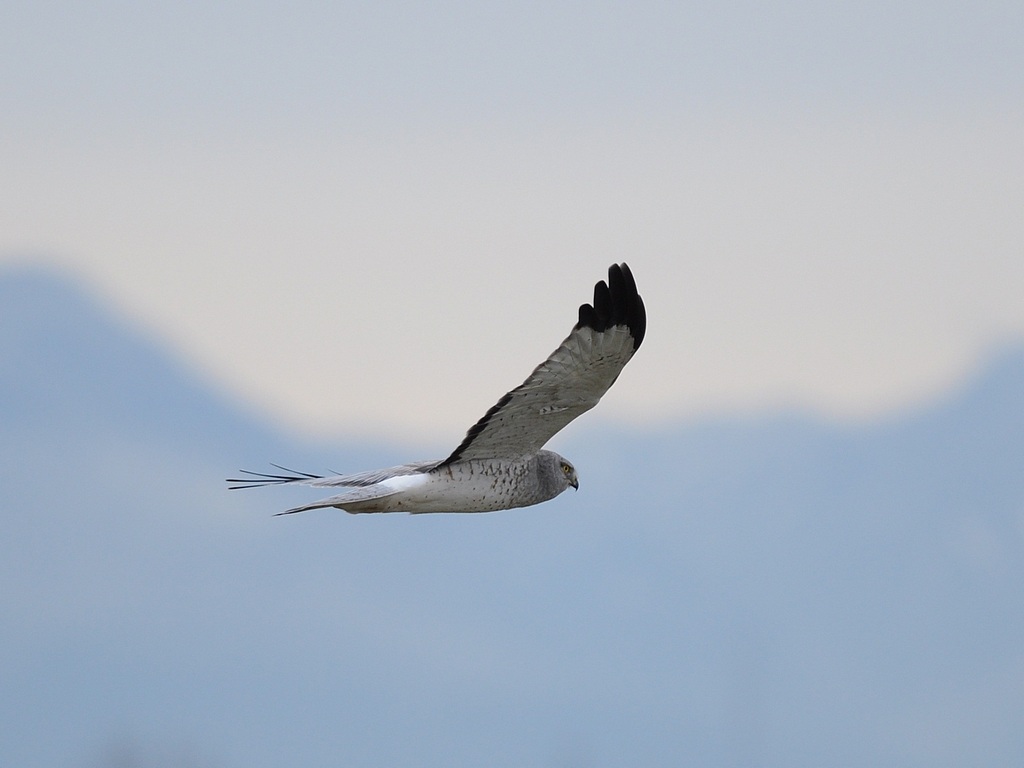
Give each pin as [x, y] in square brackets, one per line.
[404, 482]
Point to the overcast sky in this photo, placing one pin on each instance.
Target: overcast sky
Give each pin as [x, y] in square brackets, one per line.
[378, 217]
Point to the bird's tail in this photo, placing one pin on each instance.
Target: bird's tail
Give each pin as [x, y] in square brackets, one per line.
[354, 501]
[261, 479]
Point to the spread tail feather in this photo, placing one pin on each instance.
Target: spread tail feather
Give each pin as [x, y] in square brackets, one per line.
[261, 479]
[353, 480]
[355, 501]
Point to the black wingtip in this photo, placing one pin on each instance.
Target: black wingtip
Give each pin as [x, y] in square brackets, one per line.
[616, 303]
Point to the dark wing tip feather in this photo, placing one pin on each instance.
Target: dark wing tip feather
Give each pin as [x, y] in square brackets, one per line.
[260, 479]
[616, 303]
[588, 317]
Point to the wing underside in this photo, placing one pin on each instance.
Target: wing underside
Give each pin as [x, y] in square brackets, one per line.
[571, 381]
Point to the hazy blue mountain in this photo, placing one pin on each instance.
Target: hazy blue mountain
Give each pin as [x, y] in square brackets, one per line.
[768, 590]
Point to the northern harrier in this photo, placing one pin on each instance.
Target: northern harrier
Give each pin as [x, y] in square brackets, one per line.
[500, 464]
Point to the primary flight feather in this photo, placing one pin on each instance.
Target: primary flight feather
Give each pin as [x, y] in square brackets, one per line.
[501, 463]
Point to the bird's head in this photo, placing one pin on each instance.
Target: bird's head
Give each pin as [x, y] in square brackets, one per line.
[569, 472]
[557, 473]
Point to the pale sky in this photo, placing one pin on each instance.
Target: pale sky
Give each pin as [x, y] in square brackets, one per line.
[377, 218]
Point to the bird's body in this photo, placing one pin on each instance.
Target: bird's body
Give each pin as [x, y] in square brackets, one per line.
[500, 464]
[477, 485]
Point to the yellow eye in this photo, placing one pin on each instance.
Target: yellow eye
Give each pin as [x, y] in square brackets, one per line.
[566, 469]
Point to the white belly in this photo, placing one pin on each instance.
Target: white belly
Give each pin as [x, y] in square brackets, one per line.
[477, 486]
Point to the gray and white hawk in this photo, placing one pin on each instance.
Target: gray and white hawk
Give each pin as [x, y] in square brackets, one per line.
[501, 463]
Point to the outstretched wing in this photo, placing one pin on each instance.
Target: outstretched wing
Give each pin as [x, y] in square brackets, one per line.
[571, 381]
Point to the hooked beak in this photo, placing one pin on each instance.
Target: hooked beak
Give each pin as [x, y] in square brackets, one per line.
[575, 483]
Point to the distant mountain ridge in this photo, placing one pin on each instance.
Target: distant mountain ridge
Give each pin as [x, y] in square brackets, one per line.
[60, 350]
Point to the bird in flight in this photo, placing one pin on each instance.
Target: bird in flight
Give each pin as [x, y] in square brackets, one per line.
[501, 463]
